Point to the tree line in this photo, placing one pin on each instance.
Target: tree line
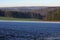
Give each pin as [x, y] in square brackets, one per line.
[18, 14]
[53, 15]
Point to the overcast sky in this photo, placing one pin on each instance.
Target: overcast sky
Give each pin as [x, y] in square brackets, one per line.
[14, 3]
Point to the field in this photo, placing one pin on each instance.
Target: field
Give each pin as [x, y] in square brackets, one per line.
[29, 31]
[18, 19]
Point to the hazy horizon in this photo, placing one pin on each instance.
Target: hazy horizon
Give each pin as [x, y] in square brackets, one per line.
[27, 3]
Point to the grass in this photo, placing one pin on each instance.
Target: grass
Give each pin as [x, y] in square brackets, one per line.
[19, 19]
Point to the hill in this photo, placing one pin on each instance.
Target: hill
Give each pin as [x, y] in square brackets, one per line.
[39, 12]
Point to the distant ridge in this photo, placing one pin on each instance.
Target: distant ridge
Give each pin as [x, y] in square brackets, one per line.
[34, 9]
[22, 8]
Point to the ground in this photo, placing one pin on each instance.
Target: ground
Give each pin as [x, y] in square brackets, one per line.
[19, 19]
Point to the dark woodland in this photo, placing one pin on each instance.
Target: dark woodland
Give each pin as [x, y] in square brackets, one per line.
[42, 13]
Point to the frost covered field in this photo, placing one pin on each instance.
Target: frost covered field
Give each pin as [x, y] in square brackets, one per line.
[29, 30]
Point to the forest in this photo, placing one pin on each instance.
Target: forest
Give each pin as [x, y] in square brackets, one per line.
[16, 14]
[48, 14]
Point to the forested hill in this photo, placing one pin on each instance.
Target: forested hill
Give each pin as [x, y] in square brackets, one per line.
[23, 9]
[38, 12]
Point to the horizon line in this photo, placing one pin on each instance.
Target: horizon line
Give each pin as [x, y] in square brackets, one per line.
[29, 6]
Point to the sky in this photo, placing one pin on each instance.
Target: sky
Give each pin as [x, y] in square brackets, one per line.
[19, 3]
